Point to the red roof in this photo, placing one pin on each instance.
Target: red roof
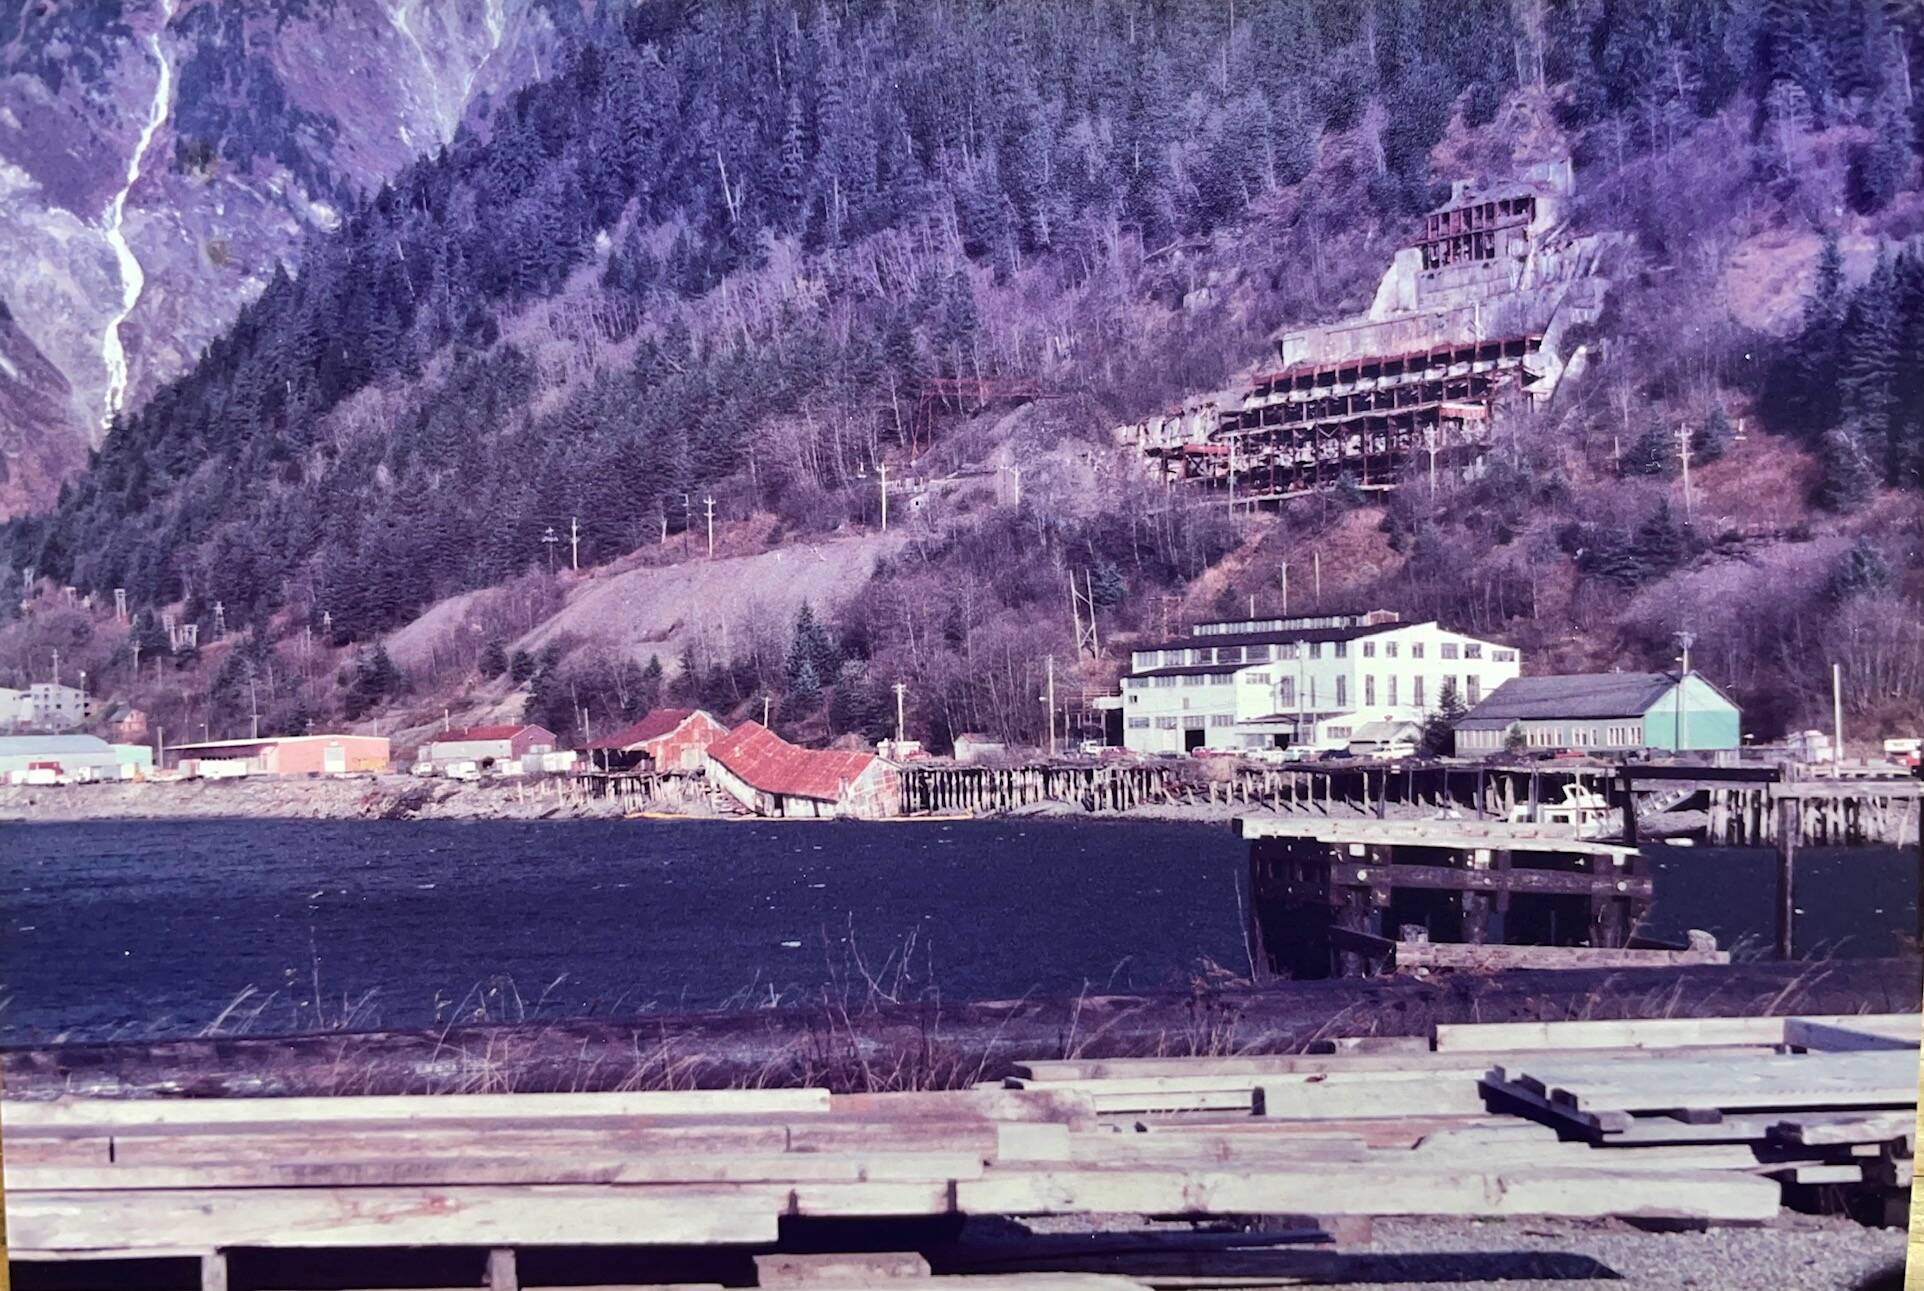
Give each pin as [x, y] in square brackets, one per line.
[487, 733]
[770, 763]
[652, 726]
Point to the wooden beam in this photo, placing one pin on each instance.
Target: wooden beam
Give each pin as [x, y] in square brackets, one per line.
[502, 1273]
[191, 1221]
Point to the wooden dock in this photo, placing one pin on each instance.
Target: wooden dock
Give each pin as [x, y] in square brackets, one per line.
[1705, 1120]
[1350, 898]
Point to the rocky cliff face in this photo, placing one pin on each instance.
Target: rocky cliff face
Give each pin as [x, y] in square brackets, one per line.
[157, 157]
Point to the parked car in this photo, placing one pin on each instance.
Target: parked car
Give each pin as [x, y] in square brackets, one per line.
[1091, 748]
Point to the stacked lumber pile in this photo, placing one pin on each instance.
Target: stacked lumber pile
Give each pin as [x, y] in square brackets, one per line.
[1700, 1120]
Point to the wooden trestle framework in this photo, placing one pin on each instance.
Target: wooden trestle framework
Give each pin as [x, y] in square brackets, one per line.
[1369, 419]
[1333, 898]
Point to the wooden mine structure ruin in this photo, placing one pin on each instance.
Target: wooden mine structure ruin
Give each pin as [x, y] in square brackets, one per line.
[1483, 306]
[1369, 419]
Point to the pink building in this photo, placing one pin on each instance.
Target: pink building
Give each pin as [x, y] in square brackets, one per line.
[283, 755]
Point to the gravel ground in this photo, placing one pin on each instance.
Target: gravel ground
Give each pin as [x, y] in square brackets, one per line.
[1794, 1253]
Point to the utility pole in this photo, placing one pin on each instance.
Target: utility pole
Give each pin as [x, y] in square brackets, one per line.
[1683, 455]
[1050, 700]
[883, 469]
[574, 543]
[253, 703]
[709, 503]
[765, 702]
[1686, 640]
[901, 690]
[120, 605]
[220, 621]
[56, 667]
[1285, 589]
[1430, 443]
[548, 539]
[1837, 718]
[1319, 580]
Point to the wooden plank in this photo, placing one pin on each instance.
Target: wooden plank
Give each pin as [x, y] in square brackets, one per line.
[1362, 1190]
[1004, 1104]
[213, 1271]
[1740, 1082]
[787, 1270]
[1873, 1031]
[1430, 1096]
[502, 1274]
[18, 1115]
[1812, 1132]
[407, 1170]
[1647, 1033]
[1299, 1063]
[872, 1200]
[172, 1144]
[190, 1221]
[1450, 956]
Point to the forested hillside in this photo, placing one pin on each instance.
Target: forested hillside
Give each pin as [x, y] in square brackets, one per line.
[732, 250]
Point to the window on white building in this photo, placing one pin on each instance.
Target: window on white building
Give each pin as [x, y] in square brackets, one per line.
[1416, 649]
[1257, 678]
[1288, 691]
[1222, 679]
[1342, 649]
[1369, 689]
[1287, 650]
[1473, 694]
[1342, 690]
[1165, 682]
[1389, 649]
[1416, 691]
[1472, 650]
[1449, 649]
[1316, 649]
[1221, 719]
[1369, 649]
[1392, 696]
[1339, 732]
[1138, 723]
[1165, 723]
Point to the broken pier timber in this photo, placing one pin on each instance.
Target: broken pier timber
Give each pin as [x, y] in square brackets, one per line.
[1335, 898]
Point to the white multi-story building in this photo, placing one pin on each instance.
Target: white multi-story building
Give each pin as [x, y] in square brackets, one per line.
[1310, 680]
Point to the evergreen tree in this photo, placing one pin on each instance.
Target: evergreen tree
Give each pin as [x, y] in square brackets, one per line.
[374, 680]
[1661, 543]
[494, 659]
[1439, 726]
[1710, 441]
[1106, 586]
[1860, 571]
[1649, 453]
[1849, 472]
[1868, 385]
[521, 667]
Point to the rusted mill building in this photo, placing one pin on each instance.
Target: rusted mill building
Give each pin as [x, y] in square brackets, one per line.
[1475, 314]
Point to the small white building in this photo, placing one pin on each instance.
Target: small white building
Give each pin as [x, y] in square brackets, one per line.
[13, 708]
[51, 706]
[1312, 680]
